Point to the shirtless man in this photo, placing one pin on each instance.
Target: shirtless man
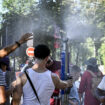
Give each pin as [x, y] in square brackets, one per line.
[44, 81]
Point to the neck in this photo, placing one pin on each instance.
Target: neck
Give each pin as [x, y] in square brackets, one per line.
[39, 66]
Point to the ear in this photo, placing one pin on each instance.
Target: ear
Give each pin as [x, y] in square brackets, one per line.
[47, 58]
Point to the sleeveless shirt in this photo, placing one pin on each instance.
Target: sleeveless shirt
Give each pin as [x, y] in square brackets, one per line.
[44, 86]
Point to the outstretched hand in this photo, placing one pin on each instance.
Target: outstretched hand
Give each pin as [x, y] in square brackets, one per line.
[25, 38]
[70, 82]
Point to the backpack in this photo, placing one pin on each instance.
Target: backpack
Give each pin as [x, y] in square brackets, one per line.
[96, 79]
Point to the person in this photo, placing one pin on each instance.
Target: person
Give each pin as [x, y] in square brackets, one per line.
[73, 95]
[55, 67]
[4, 52]
[100, 92]
[86, 82]
[43, 80]
[9, 76]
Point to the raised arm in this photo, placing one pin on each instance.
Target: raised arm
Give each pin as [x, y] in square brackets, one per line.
[7, 50]
[59, 83]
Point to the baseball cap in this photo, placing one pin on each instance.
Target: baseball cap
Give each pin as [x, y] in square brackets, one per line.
[91, 62]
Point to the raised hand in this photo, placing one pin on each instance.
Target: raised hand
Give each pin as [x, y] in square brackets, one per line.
[25, 38]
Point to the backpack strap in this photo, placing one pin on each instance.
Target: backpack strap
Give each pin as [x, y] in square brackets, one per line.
[32, 86]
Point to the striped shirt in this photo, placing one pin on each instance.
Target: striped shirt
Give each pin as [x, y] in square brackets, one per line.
[2, 79]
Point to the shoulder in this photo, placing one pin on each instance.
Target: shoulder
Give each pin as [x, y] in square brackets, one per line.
[21, 79]
[54, 76]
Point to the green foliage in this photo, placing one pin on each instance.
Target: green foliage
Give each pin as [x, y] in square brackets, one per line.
[84, 22]
[102, 53]
[19, 6]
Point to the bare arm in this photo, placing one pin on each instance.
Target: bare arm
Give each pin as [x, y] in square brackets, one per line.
[59, 83]
[2, 95]
[18, 84]
[17, 93]
[7, 50]
[9, 92]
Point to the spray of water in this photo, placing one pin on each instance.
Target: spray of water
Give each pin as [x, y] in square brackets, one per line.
[77, 24]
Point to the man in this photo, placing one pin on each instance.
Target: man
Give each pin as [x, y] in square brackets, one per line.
[43, 80]
[4, 52]
[74, 96]
[100, 92]
[86, 82]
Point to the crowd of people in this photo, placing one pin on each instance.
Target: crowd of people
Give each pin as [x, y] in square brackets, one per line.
[40, 84]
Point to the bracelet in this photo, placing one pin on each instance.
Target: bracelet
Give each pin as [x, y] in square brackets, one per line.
[17, 43]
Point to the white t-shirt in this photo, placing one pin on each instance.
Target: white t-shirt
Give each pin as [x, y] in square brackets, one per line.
[102, 84]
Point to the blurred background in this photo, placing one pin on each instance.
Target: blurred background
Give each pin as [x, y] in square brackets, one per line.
[77, 25]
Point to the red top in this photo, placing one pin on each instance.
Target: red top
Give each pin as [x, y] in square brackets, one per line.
[85, 86]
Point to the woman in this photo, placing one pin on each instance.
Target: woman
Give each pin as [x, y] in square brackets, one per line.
[7, 77]
[86, 82]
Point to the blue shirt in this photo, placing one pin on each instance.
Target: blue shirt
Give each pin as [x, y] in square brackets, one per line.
[74, 96]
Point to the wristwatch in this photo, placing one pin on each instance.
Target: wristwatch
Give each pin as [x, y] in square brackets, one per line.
[17, 43]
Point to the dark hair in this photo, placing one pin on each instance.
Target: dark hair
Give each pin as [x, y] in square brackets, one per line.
[75, 68]
[41, 51]
[93, 68]
[2, 63]
[6, 61]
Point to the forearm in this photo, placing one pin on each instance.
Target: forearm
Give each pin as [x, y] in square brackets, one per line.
[8, 50]
[15, 102]
[8, 92]
[2, 95]
[63, 85]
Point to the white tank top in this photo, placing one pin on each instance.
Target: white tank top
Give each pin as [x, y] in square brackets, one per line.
[44, 86]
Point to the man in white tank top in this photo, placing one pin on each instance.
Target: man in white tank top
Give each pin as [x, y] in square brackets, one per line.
[43, 80]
